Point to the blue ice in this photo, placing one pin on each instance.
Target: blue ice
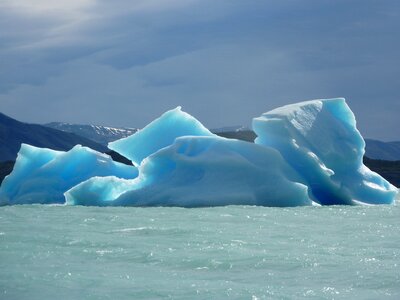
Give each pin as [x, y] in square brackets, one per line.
[159, 134]
[320, 140]
[201, 171]
[309, 153]
[43, 176]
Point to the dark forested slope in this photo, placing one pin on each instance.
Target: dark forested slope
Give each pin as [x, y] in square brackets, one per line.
[13, 133]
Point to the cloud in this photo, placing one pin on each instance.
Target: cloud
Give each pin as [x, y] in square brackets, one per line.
[125, 62]
[219, 85]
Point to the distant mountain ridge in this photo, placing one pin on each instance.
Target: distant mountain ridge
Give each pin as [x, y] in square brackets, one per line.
[229, 129]
[13, 133]
[63, 136]
[244, 135]
[99, 134]
[379, 155]
[374, 149]
[382, 150]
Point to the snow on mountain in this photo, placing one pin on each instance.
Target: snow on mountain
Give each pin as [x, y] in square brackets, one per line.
[13, 133]
[103, 135]
[236, 128]
[100, 134]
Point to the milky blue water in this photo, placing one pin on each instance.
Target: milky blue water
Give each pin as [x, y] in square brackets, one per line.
[235, 252]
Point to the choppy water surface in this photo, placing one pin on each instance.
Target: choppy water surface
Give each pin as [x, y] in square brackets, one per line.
[236, 252]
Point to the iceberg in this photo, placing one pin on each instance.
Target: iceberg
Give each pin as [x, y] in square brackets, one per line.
[309, 153]
[201, 171]
[43, 176]
[320, 140]
[159, 134]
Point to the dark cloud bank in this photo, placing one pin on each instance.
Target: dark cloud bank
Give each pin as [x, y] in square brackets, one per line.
[225, 62]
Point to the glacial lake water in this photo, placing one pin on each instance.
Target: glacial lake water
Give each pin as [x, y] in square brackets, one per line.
[233, 252]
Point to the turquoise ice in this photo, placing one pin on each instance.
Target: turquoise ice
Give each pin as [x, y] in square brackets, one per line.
[43, 175]
[320, 140]
[309, 153]
[159, 134]
[201, 171]
[312, 154]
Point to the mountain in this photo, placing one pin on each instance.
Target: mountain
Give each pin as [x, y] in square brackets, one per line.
[100, 134]
[390, 170]
[5, 169]
[13, 133]
[374, 149]
[244, 135]
[229, 129]
[103, 135]
[382, 150]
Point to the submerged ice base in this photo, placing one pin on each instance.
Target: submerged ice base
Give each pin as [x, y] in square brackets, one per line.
[309, 153]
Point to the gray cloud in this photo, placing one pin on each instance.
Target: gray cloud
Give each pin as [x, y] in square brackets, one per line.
[225, 62]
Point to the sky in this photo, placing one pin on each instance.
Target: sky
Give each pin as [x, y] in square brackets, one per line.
[124, 63]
